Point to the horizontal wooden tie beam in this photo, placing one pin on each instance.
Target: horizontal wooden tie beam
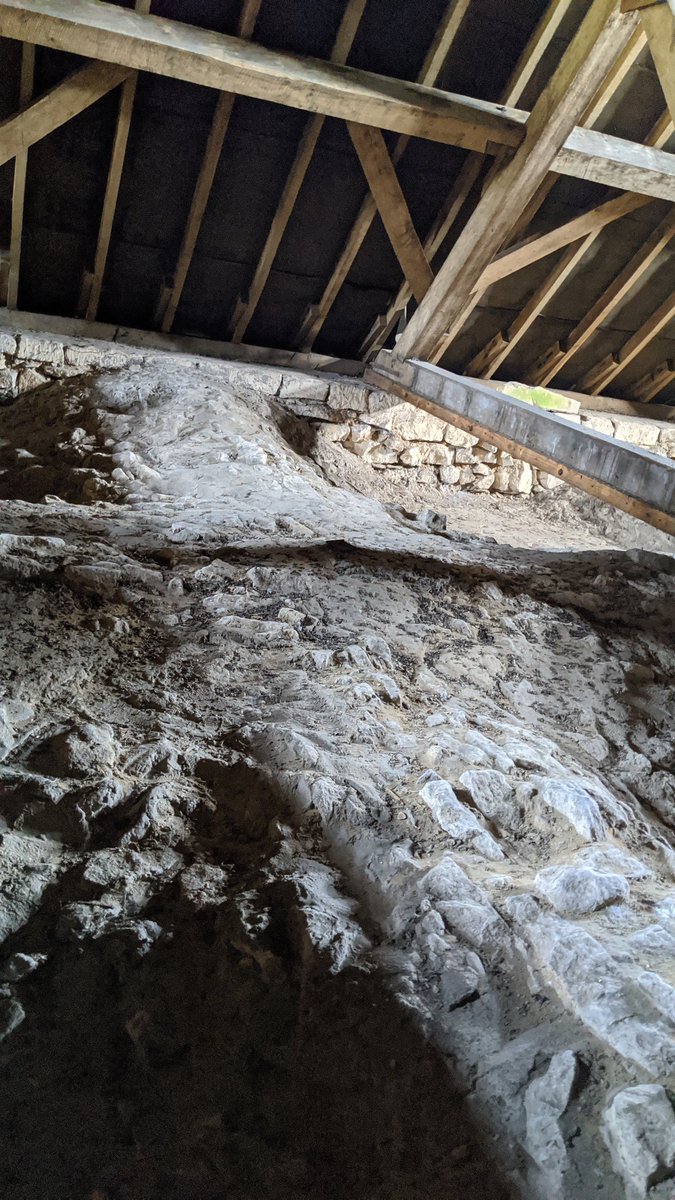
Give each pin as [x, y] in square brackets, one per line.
[181, 51]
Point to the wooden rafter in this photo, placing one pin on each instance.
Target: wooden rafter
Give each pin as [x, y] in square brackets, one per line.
[91, 290]
[489, 359]
[547, 366]
[391, 205]
[19, 182]
[613, 295]
[597, 378]
[658, 22]
[245, 308]
[431, 68]
[170, 296]
[57, 106]
[529, 60]
[601, 37]
[648, 387]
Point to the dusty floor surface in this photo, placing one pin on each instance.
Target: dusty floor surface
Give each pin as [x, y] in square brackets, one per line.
[336, 840]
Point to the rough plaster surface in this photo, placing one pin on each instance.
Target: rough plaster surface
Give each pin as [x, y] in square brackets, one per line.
[336, 853]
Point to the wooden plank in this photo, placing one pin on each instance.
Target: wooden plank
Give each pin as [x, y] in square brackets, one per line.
[601, 36]
[611, 298]
[658, 22]
[245, 308]
[486, 362]
[597, 378]
[392, 207]
[60, 104]
[627, 477]
[112, 185]
[182, 51]
[589, 154]
[19, 182]
[649, 385]
[316, 314]
[171, 294]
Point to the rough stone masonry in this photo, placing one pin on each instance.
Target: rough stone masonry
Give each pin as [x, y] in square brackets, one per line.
[336, 850]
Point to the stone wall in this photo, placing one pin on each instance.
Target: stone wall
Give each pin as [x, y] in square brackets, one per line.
[410, 445]
[404, 439]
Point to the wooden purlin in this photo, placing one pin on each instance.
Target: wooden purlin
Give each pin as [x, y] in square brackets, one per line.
[603, 372]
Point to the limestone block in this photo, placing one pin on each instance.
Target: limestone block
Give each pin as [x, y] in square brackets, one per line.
[296, 386]
[449, 475]
[381, 453]
[39, 349]
[483, 483]
[636, 430]
[574, 805]
[639, 1128]
[466, 475]
[666, 442]
[8, 381]
[86, 357]
[7, 343]
[574, 891]
[458, 437]
[344, 395]
[492, 793]
[463, 455]
[482, 469]
[546, 1099]
[412, 423]
[549, 482]
[593, 986]
[598, 423]
[485, 454]
[29, 379]
[515, 480]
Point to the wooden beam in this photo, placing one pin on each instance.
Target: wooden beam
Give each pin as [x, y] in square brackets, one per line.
[658, 22]
[94, 282]
[601, 36]
[628, 477]
[545, 30]
[19, 182]
[545, 369]
[182, 51]
[245, 308]
[487, 361]
[60, 104]
[316, 314]
[649, 386]
[597, 378]
[539, 246]
[171, 294]
[391, 204]
[610, 299]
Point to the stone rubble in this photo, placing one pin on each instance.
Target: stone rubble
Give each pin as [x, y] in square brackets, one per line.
[336, 847]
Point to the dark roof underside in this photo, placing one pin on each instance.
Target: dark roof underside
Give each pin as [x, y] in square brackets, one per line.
[67, 175]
